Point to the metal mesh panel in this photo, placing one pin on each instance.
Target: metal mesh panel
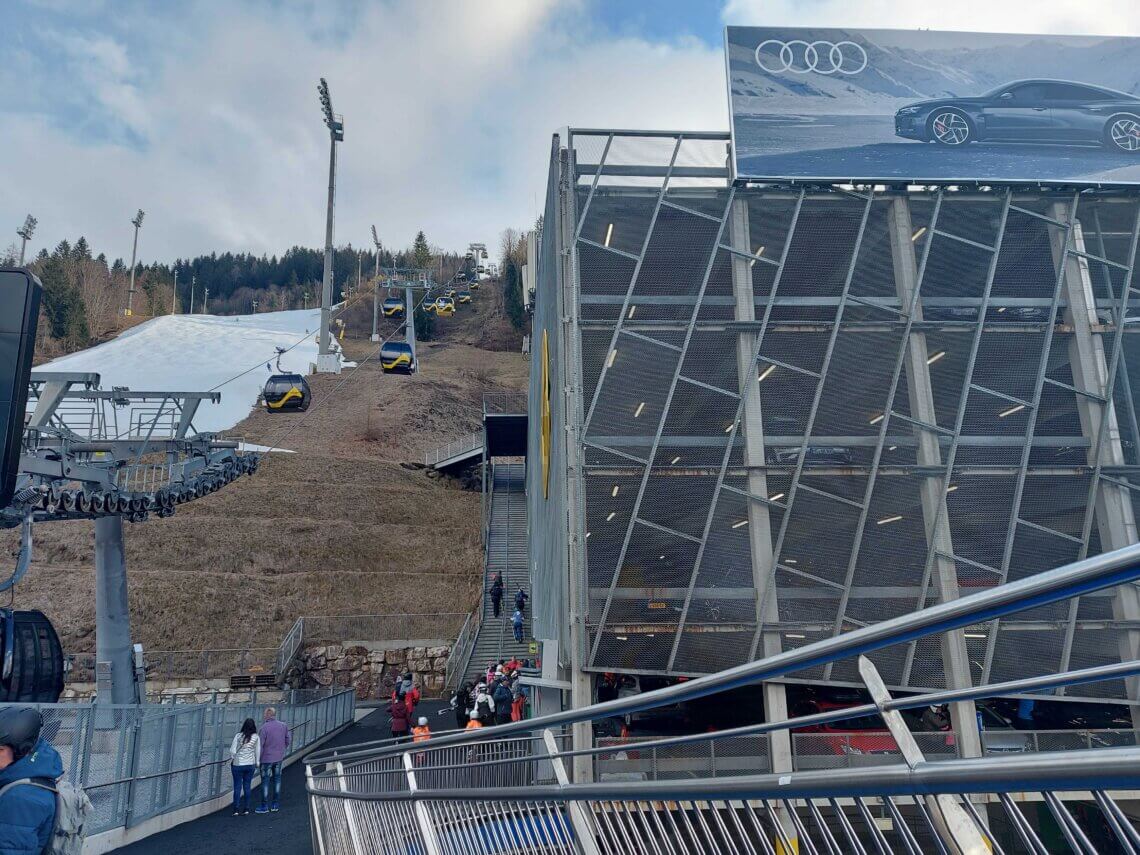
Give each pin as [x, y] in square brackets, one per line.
[921, 415]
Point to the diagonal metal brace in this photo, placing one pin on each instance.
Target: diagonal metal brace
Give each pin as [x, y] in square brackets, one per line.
[957, 831]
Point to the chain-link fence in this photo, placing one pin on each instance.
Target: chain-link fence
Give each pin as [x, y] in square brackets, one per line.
[136, 762]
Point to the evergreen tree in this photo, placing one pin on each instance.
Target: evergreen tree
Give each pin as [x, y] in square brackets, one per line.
[421, 252]
[62, 302]
[512, 292]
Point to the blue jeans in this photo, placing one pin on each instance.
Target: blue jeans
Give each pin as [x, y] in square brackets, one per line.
[270, 782]
[243, 779]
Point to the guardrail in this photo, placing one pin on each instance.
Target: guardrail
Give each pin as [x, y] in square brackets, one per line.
[926, 800]
[454, 448]
[139, 761]
[461, 650]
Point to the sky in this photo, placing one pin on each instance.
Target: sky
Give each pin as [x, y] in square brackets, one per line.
[204, 113]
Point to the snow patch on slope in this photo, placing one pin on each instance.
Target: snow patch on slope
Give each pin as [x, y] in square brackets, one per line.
[198, 353]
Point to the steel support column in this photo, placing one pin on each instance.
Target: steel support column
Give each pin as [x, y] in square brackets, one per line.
[932, 489]
[1115, 517]
[113, 656]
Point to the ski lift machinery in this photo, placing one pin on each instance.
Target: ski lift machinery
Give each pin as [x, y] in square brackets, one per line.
[286, 392]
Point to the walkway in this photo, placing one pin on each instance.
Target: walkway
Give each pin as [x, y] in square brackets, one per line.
[283, 833]
[507, 554]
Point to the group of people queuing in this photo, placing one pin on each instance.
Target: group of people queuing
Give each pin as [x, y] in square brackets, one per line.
[402, 709]
[520, 605]
[250, 752]
[497, 698]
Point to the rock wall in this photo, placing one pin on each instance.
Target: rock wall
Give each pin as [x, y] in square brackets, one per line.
[371, 668]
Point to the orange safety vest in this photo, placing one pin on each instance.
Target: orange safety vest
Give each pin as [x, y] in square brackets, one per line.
[421, 734]
[474, 723]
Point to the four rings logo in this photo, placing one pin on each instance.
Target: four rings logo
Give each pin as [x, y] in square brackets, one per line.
[800, 57]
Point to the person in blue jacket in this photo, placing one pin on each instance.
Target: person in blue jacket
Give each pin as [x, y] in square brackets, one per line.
[27, 813]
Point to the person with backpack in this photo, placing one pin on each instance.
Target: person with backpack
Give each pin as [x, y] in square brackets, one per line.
[411, 693]
[497, 593]
[275, 739]
[502, 697]
[520, 600]
[245, 756]
[38, 813]
[461, 705]
[517, 624]
[484, 705]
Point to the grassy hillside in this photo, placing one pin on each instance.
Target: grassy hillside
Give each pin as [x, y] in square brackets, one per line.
[346, 525]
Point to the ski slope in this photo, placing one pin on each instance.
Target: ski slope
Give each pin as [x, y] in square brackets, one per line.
[199, 353]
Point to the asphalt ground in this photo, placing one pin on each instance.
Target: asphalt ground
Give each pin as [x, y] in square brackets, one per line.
[283, 833]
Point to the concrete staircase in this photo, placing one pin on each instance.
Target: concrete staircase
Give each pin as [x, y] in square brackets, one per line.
[506, 554]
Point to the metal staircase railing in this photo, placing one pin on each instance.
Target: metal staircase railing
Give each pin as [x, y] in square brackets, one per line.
[505, 789]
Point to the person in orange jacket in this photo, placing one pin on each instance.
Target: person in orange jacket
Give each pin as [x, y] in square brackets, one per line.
[473, 722]
[421, 732]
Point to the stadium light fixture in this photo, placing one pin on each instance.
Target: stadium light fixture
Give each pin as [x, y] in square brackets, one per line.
[890, 519]
[759, 252]
[796, 635]
[776, 497]
[934, 357]
[951, 488]
[764, 374]
[614, 491]
[675, 460]
[876, 419]
[609, 233]
[639, 410]
[632, 309]
[1011, 411]
[921, 231]
[610, 359]
[740, 523]
[25, 232]
[611, 516]
[335, 124]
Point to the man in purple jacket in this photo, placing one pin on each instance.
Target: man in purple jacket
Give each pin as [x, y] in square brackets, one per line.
[275, 738]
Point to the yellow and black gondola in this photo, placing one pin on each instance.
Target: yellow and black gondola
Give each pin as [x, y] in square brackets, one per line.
[393, 307]
[463, 296]
[396, 358]
[286, 393]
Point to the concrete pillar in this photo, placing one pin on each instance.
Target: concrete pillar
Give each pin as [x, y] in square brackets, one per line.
[114, 659]
[1114, 514]
[955, 660]
[410, 323]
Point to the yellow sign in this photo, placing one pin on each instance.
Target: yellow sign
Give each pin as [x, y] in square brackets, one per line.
[532, 648]
[545, 416]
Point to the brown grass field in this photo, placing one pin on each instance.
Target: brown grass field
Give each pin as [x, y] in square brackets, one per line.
[348, 524]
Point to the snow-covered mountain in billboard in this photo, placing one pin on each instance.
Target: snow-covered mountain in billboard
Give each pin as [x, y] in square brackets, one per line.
[906, 66]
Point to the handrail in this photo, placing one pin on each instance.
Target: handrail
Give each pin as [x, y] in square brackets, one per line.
[456, 446]
[1096, 769]
[1092, 574]
[461, 651]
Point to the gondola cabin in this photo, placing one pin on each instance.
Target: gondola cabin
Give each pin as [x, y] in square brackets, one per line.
[444, 306]
[396, 358]
[463, 297]
[285, 393]
[393, 307]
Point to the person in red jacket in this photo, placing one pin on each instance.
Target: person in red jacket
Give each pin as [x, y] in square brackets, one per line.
[401, 719]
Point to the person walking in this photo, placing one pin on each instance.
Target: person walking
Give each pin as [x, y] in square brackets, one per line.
[520, 600]
[461, 704]
[411, 693]
[275, 739]
[473, 722]
[497, 593]
[421, 732]
[398, 710]
[484, 704]
[517, 624]
[518, 698]
[245, 755]
[27, 812]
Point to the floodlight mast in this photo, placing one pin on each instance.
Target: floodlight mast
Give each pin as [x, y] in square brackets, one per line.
[376, 290]
[137, 223]
[335, 124]
[25, 232]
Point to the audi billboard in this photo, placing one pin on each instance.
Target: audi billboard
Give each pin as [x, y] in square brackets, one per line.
[922, 106]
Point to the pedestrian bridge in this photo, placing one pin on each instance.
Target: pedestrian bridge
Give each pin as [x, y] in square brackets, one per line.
[543, 785]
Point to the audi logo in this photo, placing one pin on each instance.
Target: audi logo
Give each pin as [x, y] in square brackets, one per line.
[800, 57]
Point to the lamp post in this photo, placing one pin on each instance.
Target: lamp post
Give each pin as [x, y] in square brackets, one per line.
[174, 296]
[328, 362]
[376, 289]
[206, 303]
[25, 233]
[193, 283]
[137, 223]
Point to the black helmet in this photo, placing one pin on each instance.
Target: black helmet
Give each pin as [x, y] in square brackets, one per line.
[20, 729]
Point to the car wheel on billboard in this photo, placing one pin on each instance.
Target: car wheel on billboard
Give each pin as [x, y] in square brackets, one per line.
[1122, 133]
[950, 127]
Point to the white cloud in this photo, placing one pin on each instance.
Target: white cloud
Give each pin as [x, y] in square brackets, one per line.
[449, 107]
[1100, 17]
